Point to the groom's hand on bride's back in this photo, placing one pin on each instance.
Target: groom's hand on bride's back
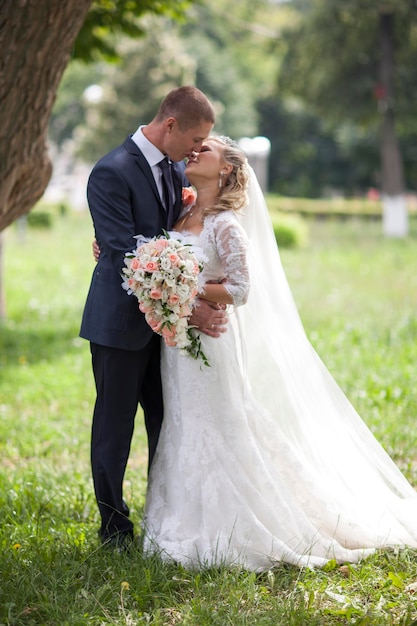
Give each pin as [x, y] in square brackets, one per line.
[209, 317]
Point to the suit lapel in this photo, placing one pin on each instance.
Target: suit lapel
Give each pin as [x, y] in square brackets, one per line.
[133, 149]
[177, 176]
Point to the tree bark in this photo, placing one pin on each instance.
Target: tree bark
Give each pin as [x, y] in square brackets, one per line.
[2, 290]
[395, 222]
[36, 38]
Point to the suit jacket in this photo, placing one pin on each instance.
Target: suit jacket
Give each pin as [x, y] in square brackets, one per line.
[124, 202]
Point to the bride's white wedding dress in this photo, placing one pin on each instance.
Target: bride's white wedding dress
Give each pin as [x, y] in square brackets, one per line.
[248, 469]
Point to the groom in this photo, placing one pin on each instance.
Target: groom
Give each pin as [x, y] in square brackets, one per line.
[126, 198]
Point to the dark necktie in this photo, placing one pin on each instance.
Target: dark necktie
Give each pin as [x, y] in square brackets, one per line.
[168, 189]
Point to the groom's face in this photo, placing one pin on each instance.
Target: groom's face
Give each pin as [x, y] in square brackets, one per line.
[181, 144]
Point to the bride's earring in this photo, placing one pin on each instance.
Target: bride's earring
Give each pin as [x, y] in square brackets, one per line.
[221, 179]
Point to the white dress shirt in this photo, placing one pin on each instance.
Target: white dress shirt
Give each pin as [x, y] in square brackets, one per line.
[152, 154]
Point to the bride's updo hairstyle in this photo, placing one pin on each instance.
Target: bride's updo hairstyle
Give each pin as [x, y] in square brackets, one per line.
[233, 194]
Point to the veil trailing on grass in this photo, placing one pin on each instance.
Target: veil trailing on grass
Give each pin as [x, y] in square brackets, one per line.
[289, 379]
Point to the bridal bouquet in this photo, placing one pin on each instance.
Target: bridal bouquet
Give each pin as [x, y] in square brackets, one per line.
[163, 274]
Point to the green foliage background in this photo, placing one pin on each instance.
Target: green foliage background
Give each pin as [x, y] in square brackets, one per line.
[304, 74]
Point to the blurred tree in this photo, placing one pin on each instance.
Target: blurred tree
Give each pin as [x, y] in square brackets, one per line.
[309, 157]
[108, 20]
[222, 79]
[36, 39]
[234, 64]
[68, 111]
[340, 60]
[132, 90]
[218, 56]
[305, 159]
[236, 61]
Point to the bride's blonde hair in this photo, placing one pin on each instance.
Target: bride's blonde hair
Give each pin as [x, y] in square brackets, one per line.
[233, 194]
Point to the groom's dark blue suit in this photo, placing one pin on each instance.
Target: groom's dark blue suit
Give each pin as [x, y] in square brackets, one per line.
[124, 201]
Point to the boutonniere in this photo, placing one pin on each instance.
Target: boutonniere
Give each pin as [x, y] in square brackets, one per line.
[189, 196]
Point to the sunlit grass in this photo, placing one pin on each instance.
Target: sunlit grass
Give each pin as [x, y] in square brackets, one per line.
[357, 296]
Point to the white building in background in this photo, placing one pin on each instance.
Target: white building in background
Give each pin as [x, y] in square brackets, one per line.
[257, 149]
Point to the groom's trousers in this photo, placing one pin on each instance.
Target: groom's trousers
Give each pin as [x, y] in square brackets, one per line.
[124, 379]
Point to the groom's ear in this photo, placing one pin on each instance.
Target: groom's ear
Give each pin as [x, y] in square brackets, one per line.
[170, 123]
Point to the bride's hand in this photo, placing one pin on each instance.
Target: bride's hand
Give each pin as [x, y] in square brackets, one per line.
[209, 317]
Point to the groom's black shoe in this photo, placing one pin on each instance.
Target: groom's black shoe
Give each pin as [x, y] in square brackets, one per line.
[119, 542]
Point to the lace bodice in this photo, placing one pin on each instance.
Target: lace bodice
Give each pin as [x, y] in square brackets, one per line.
[222, 246]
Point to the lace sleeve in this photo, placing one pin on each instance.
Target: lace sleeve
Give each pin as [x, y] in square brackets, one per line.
[232, 245]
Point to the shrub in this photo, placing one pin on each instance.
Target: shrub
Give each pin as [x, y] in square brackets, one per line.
[44, 213]
[290, 231]
[39, 219]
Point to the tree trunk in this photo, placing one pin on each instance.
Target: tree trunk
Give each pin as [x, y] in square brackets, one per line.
[36, 37]
[395, 219]
[2, 290]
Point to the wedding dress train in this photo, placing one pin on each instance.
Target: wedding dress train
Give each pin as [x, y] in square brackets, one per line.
[261, 457]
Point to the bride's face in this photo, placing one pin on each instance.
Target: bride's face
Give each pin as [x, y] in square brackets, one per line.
[207, 164]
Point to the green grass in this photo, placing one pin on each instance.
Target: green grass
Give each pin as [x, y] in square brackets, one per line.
[357, 295]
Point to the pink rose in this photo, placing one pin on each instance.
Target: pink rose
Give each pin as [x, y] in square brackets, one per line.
[168, 332]
[154, 323]
[135, 264]
[174, 298]
[174, 258]
[161, 244]
[188, 196]
[144, 308]
[151, 266]
[155, 293]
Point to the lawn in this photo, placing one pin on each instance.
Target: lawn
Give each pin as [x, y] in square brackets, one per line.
[357, 295]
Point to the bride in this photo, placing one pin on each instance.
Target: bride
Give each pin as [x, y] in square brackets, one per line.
[251, 465]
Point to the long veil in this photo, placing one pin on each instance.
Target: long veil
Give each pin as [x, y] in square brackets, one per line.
[290, 381]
